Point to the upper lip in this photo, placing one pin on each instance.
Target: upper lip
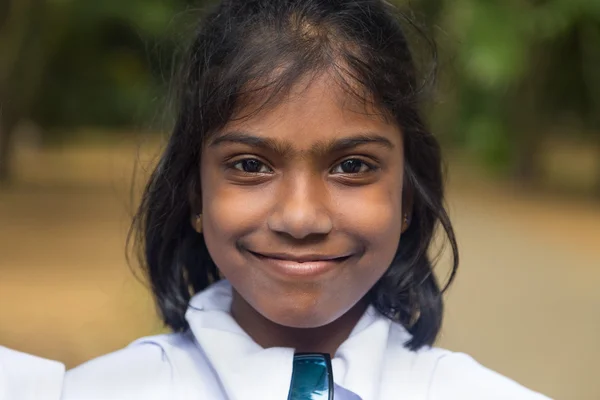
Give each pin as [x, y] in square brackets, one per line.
[300, 258]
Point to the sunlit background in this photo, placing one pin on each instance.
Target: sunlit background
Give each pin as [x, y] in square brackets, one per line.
[84, 108]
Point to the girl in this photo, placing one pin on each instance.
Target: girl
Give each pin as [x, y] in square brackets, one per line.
[285, 230]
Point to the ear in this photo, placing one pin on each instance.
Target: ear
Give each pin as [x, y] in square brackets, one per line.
[195, 202]
[407, 205]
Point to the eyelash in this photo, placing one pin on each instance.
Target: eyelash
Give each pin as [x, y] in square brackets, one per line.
[262, 164]
[370, 166]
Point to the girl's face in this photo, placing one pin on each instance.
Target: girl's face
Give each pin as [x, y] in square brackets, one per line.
[302, 204]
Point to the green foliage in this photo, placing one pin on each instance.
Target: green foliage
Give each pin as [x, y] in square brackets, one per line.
[517, 68]
[110, 61]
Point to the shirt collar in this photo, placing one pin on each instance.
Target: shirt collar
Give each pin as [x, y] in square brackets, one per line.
[245, 367]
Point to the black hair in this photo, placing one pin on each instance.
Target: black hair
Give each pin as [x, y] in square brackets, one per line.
[252, 51]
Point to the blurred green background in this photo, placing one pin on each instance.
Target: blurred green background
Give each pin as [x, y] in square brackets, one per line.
[84, 106]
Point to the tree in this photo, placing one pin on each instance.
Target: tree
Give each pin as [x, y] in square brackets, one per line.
[519, 68]
[83, 63]
[21, 67]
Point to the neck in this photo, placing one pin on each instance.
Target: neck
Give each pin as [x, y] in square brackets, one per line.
[324, 339]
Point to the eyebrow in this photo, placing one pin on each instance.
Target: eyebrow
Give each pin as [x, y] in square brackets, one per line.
[286, 149]
[236, 137]
[351, 142]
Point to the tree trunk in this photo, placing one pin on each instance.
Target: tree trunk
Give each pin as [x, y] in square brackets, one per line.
[597, 188]
[4, 8]
[526, 163]
[6, 148]
[21, 76]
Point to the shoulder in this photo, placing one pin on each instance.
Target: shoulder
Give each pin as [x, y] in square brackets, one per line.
[24, 376]
[142, 370]
[457, 376]
[164, 367]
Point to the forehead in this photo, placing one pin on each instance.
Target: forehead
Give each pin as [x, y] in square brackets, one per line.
[314, 111]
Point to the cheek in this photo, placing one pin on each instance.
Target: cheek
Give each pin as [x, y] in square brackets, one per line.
[374, 215]
[228, 213]
[231, 210]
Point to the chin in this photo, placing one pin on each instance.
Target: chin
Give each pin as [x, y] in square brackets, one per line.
[302, 313]
[301, 320]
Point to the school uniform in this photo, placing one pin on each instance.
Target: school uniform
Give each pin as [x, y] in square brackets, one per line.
[26, 377]
[217, 360]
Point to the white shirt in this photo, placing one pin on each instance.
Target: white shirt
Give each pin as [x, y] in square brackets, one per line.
[217, 360]
[26, 377]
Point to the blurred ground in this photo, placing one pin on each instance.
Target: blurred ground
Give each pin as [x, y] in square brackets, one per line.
[526, 301]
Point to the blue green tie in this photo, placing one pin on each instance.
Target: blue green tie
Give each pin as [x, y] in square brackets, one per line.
[312, 377]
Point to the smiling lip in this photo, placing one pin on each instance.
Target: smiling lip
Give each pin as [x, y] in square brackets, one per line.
[300, 266]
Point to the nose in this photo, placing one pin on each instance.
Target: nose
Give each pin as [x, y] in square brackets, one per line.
[301, 210]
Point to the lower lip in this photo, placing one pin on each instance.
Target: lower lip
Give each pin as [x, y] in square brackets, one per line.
[296, 269]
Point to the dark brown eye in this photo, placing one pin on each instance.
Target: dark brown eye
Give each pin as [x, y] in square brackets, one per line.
[351, 166]
[251, 166]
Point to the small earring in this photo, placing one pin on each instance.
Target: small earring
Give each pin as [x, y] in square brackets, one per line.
[405, 222]
[198, 223]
